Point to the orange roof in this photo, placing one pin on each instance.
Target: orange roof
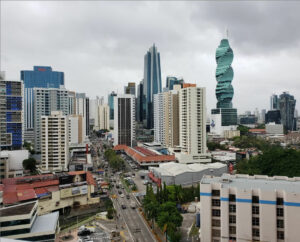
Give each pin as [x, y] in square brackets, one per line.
[185, 85]
[27, 194]
[10, 198]
[257, 130]
[144, 159]
[89, 177]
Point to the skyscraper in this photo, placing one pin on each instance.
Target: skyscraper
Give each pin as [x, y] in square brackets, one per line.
[287, 105]
[224, 116]
[11, 114]
[152, 82]
[124, 120]
[130, 88]
[274, 102]
[172, 80]
[41, 76]
[82, 108]
[140, 103]
[103, 117]
[111, 104]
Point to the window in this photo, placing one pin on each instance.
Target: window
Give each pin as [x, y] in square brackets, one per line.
[232, 208]
[215, 192]
[280, 212]
[280, 235]
[255, 221]
[255, 232]
[280, 223]
[232, 238]
[216, 233]
[216, 223]
[232, 219]
[215, 202]
[231, 198]
[255, 209]
[216, 212]
[255, 199]
[279, 201]
[232, 230]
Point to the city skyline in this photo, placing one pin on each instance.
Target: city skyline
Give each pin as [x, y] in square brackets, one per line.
[99, 52]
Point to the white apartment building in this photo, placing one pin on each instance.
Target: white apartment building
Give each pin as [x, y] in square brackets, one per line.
[124, 120]
[54, 142]
[94, 111]
[103, 117]
[192, 120]
[158, 112]
[249, 208]
[82, 108]
[75, 129]
[47, 100]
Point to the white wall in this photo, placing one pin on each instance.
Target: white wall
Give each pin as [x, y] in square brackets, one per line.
[16, 158]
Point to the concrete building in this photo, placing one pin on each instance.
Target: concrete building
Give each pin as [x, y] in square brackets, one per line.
[229, 134]
[82, 108]
[55, 142]
[47, 100]
[11, 163]
[11, 114]
[22, 222]
[103, 117]
[158, 113]
[75, 129]
[273, 128]
[249, 208]
[71, 103]
[182, 174]
[124, 120]
[192, 120]
[94, 111]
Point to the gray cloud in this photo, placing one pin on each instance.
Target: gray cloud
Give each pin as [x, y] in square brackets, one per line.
[100, 45]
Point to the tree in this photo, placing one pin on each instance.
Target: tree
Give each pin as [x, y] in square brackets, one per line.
[110, 213]
[243, 129]
[29, 164]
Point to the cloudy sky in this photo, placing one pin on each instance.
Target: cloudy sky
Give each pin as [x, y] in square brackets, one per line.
[100, 45]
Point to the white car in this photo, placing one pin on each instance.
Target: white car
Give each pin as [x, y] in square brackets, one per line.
[122, 195]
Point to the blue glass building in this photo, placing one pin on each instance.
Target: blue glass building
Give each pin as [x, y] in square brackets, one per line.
[11, 114]
[172, 80]
[41, 76]
[111, 105]
[152, 82]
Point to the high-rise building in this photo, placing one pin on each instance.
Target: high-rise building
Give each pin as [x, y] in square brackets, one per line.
[140, 103]
[158, 113]
[47, 100]
[111, 104]
[263, 115]
[40, 76]
[55, 140]
[172, 80]
[124, 120]
[274, 102]
[151, 83]
[224, 117]
[249, 208]
[75, 129]
[103, 118]
[192, 120]
[273, 116]
[130, 88]
[82, 108]
[287, 105]
[94, 111]
[11, 114]
[72, 102]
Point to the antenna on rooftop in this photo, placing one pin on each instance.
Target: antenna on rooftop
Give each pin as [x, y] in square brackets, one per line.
[227, 33]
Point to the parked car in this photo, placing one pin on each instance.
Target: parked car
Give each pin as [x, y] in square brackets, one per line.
[122, 195]
[84, 232]
[120, 192]
[123, 206]
[132, 205]
[128, 196]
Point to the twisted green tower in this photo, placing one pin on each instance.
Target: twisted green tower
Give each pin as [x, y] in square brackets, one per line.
[224, 75]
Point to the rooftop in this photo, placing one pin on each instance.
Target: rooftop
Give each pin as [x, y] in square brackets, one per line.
[20, 209]
[262, 182]
[45, 223]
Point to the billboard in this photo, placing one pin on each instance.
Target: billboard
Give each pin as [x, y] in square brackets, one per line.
[74, 191]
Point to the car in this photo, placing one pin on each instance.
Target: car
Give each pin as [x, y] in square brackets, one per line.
[84, 232]
[120, 192]
[123, 206]
[122, 195]
[128, 196]
[132, 205]
[117, 186]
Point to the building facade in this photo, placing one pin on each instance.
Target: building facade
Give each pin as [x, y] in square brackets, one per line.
[40, 76]
[94, 111]
[172, 80]
[11, 114]
[249, 208]
[47, 100]
[82, 108]
[103, 117]
[158, 107]
[75, 129]
[111, 104]
[55, 142]
[287, 105]
[130, 88]
[124, 120]
[151, 83]
[192, 120]
[140, 103]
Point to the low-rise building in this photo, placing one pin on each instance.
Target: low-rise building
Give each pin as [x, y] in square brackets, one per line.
[274, 129]
[249, 208]
[22, 222]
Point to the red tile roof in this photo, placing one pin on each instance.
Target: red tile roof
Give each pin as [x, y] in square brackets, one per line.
[10, 198]
[132, 152]
[27, 194]
[257, 130]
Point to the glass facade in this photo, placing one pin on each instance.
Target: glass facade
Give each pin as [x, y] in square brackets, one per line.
[111, 105]
[228, 115]
[287, 105]
[152, 82]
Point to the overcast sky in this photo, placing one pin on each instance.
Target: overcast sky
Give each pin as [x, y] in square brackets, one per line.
[101, 45]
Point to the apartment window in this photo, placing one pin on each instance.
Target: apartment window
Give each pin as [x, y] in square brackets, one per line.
[216, 212]
[216, 223]
[280, 212]
[215, 192]
[232, 238]
[255, 209]
[232, 208]
[231, 198]
[279, 201]
[280, 223]
[232, 230]
[216, 233]
[255, 221]
[280, 234]
[232, 219]
[215, 202]
[255, 232]
[255, 199]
